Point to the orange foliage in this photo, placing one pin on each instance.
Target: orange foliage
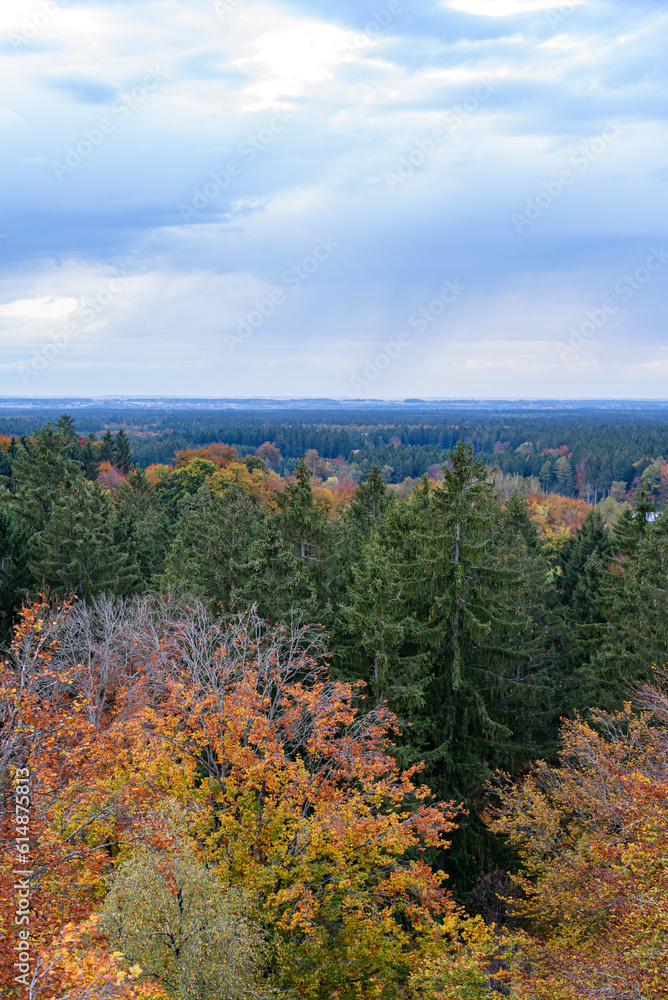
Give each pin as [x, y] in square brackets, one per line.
[66, 758]
[5, 441]
[593, 837]
[155, 473]
[333, 501]
[216, 452]
[556, 517]
[285, 788]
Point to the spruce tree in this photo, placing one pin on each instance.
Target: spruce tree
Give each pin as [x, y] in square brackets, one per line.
[107, 447]
[41, 473]
[15, 577]
[475, 633]
[69, 436]
[142, 528]
[583, 565]
[75, 552]
[633, 601]
[215, 554]
[364, 513]
[294, 549]
[377, 635]
[90, 458]
[121, 451]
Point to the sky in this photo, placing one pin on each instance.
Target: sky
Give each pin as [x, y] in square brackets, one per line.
[379, 199]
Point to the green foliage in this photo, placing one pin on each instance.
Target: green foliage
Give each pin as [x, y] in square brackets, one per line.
[15, 577]
[630, 636]
[451, 618]
[170, 915]
[438, 596]
[75, 552]
[217, 552]
[142, 528]
[183, 483]
[584, 561]
[42, 472]
[121, 451]
[107, 447]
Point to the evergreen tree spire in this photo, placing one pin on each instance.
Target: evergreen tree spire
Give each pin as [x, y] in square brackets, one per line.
[122, 456]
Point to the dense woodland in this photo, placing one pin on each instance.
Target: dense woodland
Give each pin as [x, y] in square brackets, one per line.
[334, 710]
[582, 452]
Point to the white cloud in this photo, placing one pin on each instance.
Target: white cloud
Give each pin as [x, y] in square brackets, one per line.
[43, 307]
[294, 53]
[362, 103]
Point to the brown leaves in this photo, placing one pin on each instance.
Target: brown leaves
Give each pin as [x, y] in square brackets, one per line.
[594, 839]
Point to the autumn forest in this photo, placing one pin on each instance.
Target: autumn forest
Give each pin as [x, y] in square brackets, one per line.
[361, 705]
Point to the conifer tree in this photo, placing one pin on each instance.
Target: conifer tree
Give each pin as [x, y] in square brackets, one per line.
[41, 473]
[75, 552]
[107, 447]
[70, 438]
[379, 637]
[293, 551]
[584, 563]
[474, 629]
[122, 456]
[142, 528]
[364, 512]
[15, 577]
[633, 603]
[215, 554]
[90, 458]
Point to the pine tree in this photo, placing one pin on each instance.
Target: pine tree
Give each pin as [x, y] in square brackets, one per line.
[583, 563]
[378, 635]
[107, 447]
[90, 458]
[121, 450]
[215, 552]
[142, 528]
[633, 602]
[41, 473]
[75, 552]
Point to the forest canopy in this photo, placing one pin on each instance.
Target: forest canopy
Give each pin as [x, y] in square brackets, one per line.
[278, 721]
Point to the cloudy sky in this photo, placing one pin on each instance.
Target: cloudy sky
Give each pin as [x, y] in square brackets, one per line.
[384, 198]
